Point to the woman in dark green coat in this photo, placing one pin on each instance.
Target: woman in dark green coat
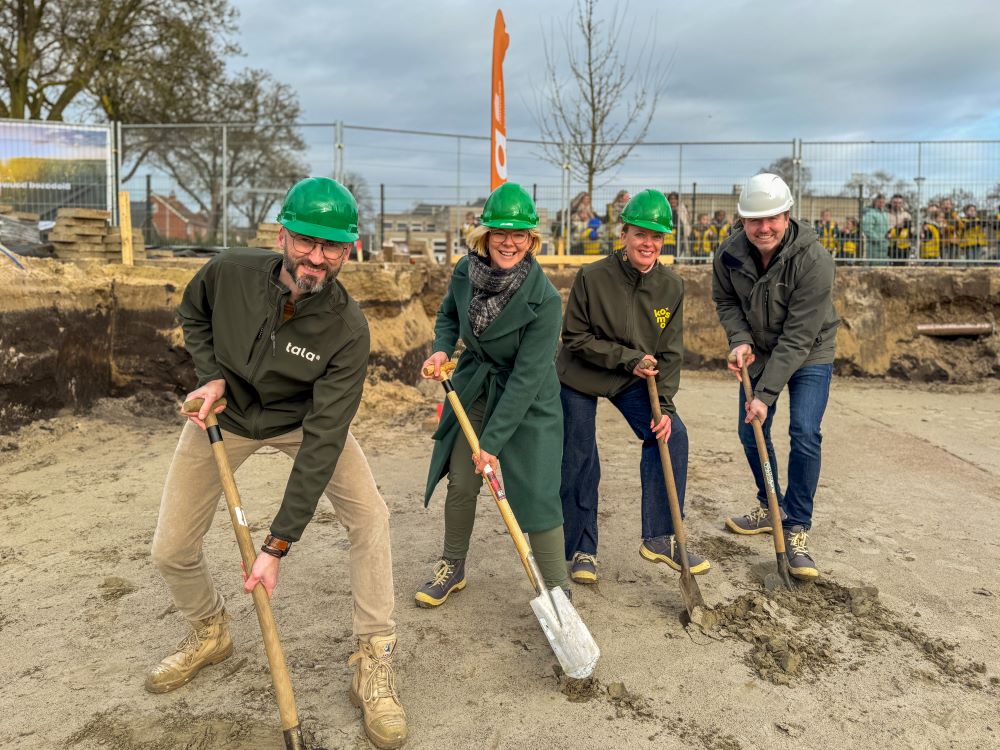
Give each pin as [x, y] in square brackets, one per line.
[508, 314]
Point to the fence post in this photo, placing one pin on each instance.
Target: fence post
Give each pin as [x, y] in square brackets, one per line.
[147, 220]
[225, 185]
[113, 191]
[381, 215]
[862, 239]
[919, 213]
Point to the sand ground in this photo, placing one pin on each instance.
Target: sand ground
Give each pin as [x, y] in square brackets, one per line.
[908, 503]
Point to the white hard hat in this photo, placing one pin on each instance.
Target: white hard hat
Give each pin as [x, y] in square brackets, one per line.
[764, 195]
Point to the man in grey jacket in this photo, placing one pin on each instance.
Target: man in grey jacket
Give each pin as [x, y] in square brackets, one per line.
[773, 291]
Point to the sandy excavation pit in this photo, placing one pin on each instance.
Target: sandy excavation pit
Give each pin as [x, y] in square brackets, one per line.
[896, 647]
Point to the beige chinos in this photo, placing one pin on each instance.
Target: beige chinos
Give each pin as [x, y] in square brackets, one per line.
[190, 499]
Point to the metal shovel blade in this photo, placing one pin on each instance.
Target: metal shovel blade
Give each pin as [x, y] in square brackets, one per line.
[694, 603]
[568, 636]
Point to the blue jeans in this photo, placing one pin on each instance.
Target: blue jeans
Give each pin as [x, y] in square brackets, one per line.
[808, 391]
[581, 466]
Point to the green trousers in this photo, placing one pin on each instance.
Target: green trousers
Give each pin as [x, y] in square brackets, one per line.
[460, 510]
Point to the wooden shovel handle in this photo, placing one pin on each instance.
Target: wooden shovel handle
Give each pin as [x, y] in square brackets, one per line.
[265, 617]
[765, 466]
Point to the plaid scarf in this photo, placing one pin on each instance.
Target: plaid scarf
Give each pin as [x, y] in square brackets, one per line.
[492, 289]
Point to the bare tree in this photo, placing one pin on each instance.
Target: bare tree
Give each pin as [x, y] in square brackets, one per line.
[784, 167]
[594, 120]
[358, 185]
[872, 183]
[261, 156]
[121, 58]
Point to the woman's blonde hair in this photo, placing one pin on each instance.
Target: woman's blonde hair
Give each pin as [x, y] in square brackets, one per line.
[479, 236]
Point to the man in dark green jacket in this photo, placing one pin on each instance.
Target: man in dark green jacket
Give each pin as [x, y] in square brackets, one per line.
[623, 310]
[280, 338]
[773, 291]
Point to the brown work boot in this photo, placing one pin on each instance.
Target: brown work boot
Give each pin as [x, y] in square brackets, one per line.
[207, 643]
[373, 690]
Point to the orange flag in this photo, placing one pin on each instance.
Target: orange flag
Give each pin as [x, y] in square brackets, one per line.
[498, 110]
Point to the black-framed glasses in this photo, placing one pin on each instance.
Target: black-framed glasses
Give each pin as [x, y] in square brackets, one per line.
[518, 236]
[331, 250]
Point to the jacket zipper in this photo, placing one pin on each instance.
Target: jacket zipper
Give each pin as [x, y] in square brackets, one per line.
[258, 337]
[767, 309]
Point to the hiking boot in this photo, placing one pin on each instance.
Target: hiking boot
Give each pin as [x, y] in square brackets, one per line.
[757, 521]
[449, 575]
[664, 549]
[373, 690]
[207, 643]
[583, 568]
[800, 562]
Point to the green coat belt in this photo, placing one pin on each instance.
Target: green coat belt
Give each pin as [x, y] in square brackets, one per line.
[512, 366]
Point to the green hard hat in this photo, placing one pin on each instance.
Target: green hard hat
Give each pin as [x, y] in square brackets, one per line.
[509, 207]
[649, 210]
[320, 207]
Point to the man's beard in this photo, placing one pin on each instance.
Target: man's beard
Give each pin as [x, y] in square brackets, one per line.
[307, 283]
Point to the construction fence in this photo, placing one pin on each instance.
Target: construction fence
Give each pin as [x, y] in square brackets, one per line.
[213, 184]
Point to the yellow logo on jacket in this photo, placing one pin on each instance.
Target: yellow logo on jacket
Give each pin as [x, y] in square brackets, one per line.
[662, 315]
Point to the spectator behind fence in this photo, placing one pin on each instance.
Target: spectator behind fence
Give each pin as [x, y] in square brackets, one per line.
[897, 212]
[900, 241]
[875, 226]
[678, 239]
[828, 232]
[468, 225]
[973, 233]
[850, 237]
[722, 227]
[585, 227]
[930, 235]
[613, 222]
[703, 239]
[949, 230]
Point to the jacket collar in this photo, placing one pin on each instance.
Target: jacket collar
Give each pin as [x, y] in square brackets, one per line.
[519, 311]
[738, 253]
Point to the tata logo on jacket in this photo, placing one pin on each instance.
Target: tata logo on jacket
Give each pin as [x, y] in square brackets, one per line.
[301, 351]
[662, 315]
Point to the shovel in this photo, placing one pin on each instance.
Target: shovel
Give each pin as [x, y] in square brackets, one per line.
[272, 646]
[773, 510]
[566, 632]
[690, 592]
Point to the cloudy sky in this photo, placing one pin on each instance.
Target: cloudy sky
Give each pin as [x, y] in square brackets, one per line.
[737, 70]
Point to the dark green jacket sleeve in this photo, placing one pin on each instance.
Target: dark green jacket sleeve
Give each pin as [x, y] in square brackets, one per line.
[535, 359]
[728, 306]
[446, 323]
[336, 396]
[578, 337]
[195, 311]
[807, 305]
[669, 359]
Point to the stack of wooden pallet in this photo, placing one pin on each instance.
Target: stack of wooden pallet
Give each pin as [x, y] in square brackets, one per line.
[113, 244]
[79, 233]
[83, 234]
[267, 236]
[7, 212]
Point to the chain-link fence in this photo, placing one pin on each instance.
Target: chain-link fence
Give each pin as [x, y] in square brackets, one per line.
[213, 184]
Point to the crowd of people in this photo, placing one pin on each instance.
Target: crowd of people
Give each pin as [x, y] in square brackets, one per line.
[884, 234]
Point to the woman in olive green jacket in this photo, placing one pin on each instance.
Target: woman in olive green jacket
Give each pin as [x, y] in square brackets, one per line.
[508, 314]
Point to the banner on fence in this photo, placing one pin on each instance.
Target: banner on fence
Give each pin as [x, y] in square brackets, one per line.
[46, 166]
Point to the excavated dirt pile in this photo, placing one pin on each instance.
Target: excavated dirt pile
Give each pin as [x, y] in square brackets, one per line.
[797, 635]
[70, 334]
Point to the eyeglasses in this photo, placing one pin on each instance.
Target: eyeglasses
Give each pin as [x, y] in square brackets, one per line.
[331, 250]
[519, 237]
